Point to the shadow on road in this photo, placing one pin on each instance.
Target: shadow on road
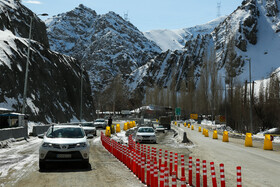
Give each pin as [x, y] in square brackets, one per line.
[66, 167]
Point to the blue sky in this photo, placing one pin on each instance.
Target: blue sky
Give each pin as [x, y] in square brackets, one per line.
[145, 14]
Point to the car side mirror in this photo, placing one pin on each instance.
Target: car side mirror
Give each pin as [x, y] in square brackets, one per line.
[41, 136]
[89, 136]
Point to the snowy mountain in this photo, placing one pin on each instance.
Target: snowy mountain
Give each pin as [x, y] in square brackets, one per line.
[250, 32]
[176, 39]
[106, 44]
[53, 79]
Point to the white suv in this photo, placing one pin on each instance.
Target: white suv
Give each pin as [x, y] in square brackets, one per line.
[64, 143]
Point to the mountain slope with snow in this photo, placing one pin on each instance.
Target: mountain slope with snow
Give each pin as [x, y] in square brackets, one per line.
[176, 39]
[53, 78]
[250, 32]
[106, 44]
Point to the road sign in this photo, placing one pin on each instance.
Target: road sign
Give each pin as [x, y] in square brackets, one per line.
[178, 111]
[194, 116]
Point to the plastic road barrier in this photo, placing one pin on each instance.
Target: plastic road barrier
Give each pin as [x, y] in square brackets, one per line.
[199, 129]
[174, 179]
[118, 128]
[204, 171]
[170, 163]
[192, 127]
[239, 181]
[222, 174]
[190, 171]
[213, 174]
[215, 134]
[189, 125]
[197, 172]
[267, 142]
[182, 166]
[206, 134]
[108, 131]
[185, 124]
[248, 140]
[125, 127]
[225, 136]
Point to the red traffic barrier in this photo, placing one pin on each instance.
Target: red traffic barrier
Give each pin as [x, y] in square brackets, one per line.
[183, 181]
[190, 171]
[204, 170]
[239, 181]
[197, 172]
[152, 173]
[176, 164]
[213, 174]
[165, 158]
[148, 180]
[222, 174]
[160, 158]
[161, 179]
[182, 166]
[170, 163]
[155, 176]
[143, 169]
[174, 179]
[166, 177]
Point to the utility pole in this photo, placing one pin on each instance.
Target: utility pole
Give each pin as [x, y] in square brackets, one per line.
[250, 90]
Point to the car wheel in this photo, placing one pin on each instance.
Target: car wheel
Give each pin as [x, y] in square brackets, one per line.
[42, 165]
[85, 164]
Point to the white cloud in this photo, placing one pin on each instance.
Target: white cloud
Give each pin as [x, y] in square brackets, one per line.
[33, 2]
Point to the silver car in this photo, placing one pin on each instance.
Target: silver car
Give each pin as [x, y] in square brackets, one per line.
[64, 143]
[100, 123]
[146, 134]
[89, 128]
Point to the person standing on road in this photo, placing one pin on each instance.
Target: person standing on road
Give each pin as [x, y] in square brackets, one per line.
[110, 121]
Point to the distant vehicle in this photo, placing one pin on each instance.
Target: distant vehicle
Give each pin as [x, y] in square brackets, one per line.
[64, 143]
[165, 121]
[89, 128]
[160, 128]
[146, 134]
[100, 123]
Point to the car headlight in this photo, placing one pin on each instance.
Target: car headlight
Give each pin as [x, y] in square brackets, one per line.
[81, 145]
[47, 145]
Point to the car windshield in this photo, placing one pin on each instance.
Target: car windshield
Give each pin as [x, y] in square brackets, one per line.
[99, 120]
[146, 130]
[65, 132]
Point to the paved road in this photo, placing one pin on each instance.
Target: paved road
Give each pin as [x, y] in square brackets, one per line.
[259, 167]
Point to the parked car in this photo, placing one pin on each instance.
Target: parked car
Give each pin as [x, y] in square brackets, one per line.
[89, 128]
[100, 123]
[64, 143]
[146, 134]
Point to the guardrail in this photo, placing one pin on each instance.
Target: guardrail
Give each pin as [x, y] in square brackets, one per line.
[15, 133]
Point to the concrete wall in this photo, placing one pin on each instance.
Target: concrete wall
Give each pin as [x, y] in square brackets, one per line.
[39, 129]
[16, 133]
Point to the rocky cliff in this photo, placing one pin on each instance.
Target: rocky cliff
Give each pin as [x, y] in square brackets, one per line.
[54, 79]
